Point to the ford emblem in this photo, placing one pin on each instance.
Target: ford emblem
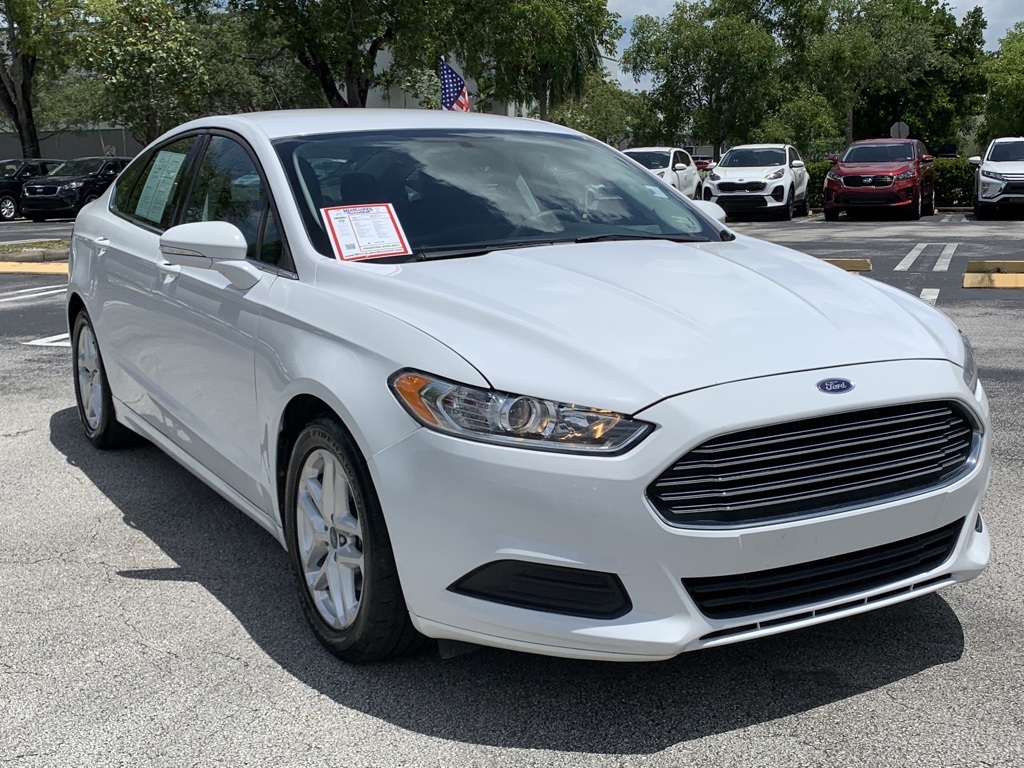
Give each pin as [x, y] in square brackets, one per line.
[835, 386]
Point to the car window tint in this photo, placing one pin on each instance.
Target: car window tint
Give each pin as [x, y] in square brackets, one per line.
[229, 188]
[272, 244]
[151, 195]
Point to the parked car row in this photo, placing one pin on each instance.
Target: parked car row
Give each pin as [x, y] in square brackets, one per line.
[873, 174]
[39, 189]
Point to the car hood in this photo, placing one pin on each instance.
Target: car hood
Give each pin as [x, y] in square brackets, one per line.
[872, 169]
[620, 325]
[746, 174]
[57, 179]
[1013, 167]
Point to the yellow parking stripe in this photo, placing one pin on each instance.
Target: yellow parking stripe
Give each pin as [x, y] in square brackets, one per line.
[34, 267]
[851, 265]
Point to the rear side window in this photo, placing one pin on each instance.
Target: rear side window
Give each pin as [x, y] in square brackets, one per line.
[147, 195]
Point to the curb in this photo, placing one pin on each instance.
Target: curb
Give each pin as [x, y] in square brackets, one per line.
[35, 255]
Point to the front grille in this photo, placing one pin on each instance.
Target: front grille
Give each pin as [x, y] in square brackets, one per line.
[867, 181]
[34, 190]
[738, 186]
[780, 589]
[812, 466]
[868, 199]
[742, 202]
[1014, 188]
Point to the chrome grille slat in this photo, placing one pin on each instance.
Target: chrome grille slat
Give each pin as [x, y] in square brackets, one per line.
[816, 465]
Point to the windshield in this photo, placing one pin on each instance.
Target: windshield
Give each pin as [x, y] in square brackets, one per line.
[753, 158]
[879, 153]
[9, 167]
[1007, 152]
[463, 189]
[652, 160]
[78, 168]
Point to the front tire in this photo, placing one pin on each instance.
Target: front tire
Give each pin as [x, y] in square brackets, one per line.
[917, 206]
[8, 208]
[92, 390]
[981, 212]
[786, 214]
[831, 214]
[340, 550]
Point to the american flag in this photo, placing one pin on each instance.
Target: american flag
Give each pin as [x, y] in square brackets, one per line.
[453, 89]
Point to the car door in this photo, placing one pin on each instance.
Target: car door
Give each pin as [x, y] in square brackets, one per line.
[122, 245]
[207, 329]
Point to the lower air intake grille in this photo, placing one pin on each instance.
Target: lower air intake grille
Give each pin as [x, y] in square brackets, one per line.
[812, 466]
[779, 589]
[548, 588]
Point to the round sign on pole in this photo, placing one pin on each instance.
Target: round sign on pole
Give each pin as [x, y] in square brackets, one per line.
[899, 130]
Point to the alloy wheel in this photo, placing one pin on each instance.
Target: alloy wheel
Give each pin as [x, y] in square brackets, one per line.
[8, 208]
[330, 539]
[90, 378]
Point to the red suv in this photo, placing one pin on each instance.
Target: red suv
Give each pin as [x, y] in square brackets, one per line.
[882, 173]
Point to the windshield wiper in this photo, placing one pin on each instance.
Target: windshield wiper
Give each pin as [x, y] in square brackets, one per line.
[670, 238]
[475, 250]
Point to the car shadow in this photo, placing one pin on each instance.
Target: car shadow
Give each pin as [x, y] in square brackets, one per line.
[495, 697]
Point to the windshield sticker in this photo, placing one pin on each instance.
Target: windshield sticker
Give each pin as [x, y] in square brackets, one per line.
[654, 191]
[365, 231]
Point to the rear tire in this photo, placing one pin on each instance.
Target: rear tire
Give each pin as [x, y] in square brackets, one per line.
[929, 210]
[92, 390]
[804, 209]
[831, 214]
[8, 208]
[340, 550]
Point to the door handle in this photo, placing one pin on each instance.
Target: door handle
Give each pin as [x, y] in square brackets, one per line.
[171, 270]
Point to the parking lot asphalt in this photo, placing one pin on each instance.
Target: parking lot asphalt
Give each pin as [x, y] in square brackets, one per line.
[144, 621]
[23, 230]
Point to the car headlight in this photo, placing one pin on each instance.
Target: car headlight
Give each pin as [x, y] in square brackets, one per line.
[993, 175]
[776, 175]
[834, 176]
[970, 367]
[513, 420]
[911, 174]
[714, 176]
[70, 186]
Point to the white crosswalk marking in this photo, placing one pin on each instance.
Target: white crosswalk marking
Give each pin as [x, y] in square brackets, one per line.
[942, 264]
[931, 295]
[60, 340]
[910, 258]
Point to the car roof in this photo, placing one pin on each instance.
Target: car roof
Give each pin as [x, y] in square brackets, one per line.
[1001, 139]
[653, 149]
[308, 122]
[760, 146]
[885, 141]
[98, 157]
[32, 160]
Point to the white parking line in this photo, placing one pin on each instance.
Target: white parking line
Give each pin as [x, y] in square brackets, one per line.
[931, 295]
[60, 340]
[947, 256]
[910, 258]
[37, 294]
[32, 290]
[816, 217]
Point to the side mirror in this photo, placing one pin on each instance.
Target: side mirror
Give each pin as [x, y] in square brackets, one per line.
[710, 166]
[927, 158]
[833, 159]
[714, 210]
[110, 172]
[797, 164]
[976, 160]
[215, 245]
[680, 167]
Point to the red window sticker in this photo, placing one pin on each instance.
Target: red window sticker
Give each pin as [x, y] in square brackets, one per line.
[361, 232]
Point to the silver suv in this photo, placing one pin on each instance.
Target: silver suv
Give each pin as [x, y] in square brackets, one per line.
[1000, 178]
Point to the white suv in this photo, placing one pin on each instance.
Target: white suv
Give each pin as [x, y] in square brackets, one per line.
[759, 177]
[1000, 177]
[671, 164]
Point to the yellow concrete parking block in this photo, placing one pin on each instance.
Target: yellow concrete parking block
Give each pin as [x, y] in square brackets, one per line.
[994, 274]
[851, 265]
[34, 267]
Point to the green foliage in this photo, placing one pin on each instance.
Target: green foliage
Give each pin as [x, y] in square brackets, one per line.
[954, 181]
[604, 111]
[714, 77]
[152, 66]
[1004, 109]
[816, 172]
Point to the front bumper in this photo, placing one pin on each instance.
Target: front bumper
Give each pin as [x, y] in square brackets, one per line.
[50, 204]
[899, 194]
[772, 196]
[1008, 191]
[453, 506]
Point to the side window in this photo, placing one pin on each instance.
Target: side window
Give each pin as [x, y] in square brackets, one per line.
[680, 157]
[229, 188]
[148, 196]
[791, 155]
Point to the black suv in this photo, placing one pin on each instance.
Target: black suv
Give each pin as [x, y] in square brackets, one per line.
[12, 174]
[69, 187]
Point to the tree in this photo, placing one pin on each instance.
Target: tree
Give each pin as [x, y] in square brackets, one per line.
[604, 111]
[153, 69]
[715, 77]
[871, 47]
[536, 50]
[1004, 106]
[35, 35]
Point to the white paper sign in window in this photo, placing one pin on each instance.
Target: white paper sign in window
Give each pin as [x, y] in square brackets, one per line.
[365, 231]
[159, 185]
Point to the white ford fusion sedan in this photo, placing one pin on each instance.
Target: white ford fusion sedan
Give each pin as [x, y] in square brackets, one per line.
[487, 380]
